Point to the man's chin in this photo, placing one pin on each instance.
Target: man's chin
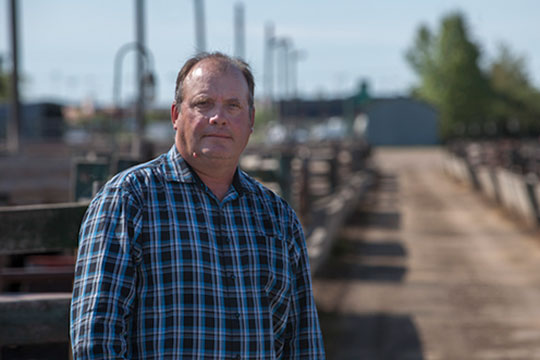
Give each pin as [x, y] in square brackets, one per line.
[217, 154]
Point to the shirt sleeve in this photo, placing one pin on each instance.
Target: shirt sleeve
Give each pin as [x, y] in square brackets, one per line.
[303, 333]
[105, 277]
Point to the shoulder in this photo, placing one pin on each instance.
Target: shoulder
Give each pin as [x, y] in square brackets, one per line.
[257, 189]
[134, 182]
[277, 207]
[278, 217]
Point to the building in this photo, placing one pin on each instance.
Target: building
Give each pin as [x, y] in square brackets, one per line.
[39, 121]
[400, 122]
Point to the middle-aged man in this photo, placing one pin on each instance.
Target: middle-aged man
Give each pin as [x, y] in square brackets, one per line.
[186, 256]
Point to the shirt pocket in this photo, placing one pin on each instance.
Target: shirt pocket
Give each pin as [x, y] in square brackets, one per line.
[270, 267]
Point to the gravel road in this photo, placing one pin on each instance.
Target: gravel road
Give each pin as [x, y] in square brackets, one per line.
[427, 269]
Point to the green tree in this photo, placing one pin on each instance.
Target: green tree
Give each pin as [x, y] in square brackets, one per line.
[450, 76]
[4, 87]
[516, 102]
[4, 82]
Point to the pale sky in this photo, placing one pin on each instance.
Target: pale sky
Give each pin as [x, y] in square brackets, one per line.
[68, 47]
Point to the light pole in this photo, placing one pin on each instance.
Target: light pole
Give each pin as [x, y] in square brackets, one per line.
[295, 56]
[269, 41]
[239, 31]
[200, 35]
[14, 124]
[284, 44]
[146, 79]
[139, 76]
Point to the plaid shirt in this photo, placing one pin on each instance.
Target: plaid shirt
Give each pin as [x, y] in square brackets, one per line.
[167, 271]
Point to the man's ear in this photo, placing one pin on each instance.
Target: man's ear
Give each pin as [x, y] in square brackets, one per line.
[252, 118]
[174, 114]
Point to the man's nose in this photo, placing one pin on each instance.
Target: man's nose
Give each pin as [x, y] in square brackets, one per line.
[218, 116]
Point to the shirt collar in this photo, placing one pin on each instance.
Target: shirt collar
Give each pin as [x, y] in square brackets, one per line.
[177, 169]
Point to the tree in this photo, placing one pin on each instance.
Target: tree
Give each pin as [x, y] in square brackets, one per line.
[4, 87]
[516, 102]
[450, 77]
[4, 82]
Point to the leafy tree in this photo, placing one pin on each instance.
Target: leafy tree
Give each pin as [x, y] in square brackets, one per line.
[450, 77]
[265, 114]
[516, 102]
[4, 87]
[4, 82]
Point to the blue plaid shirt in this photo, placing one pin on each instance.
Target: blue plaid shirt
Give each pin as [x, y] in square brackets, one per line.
[167, 271]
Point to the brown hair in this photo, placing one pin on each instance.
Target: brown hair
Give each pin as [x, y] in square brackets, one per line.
[221, 58]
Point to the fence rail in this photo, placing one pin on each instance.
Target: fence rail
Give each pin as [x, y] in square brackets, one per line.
[506, 172]
[38, 243]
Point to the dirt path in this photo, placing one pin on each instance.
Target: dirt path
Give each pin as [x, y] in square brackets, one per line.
[426, 269]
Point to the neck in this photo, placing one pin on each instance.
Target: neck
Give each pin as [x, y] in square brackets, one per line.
[217, 174]
[217, 183]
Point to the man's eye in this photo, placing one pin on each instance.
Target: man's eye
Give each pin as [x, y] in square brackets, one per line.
[202, 103]
[234, 106]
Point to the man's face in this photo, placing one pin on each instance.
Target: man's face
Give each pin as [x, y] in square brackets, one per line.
[214, 120]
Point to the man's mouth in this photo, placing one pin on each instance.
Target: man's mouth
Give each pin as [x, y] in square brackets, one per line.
[223, 136]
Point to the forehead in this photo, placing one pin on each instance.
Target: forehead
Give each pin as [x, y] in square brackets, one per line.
[215, 76]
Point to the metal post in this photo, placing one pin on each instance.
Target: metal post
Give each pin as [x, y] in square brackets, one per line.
[200, 36]
[136, 145]
[269, 60]
[295, 57]
[305, 191]
[14, 124]
[117, 82]
[239, 47]
[284, 44]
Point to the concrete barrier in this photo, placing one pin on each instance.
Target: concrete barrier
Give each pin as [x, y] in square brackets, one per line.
[516, 193]
[457, 168]
[507, 190]
[330, 214]
[516, 196]
[34, 228]
[37, 318]
[488, 183]
[41, 318]
[535, 190]
[34, 318]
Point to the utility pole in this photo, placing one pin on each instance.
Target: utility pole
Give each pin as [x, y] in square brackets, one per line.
[136, 145]
[14, 124]
[284, 44]
[239, 33]
[200, 36]
[269, 41]
[295, 56]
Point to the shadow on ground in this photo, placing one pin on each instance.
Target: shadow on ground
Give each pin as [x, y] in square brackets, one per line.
[381, 261]
[357, 258]
[370, 337]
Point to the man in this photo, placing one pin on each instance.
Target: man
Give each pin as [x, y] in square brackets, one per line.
[188, 257]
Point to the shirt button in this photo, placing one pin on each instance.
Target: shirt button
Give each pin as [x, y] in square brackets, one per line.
[237, 357]
[237, 315]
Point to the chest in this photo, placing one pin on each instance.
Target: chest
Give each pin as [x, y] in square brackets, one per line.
[191, 245]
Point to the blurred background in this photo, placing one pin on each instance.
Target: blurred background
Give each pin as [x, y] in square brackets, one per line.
[94, 74]
[355, 101]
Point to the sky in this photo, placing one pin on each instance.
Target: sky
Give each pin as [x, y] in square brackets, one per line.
[67, 47]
